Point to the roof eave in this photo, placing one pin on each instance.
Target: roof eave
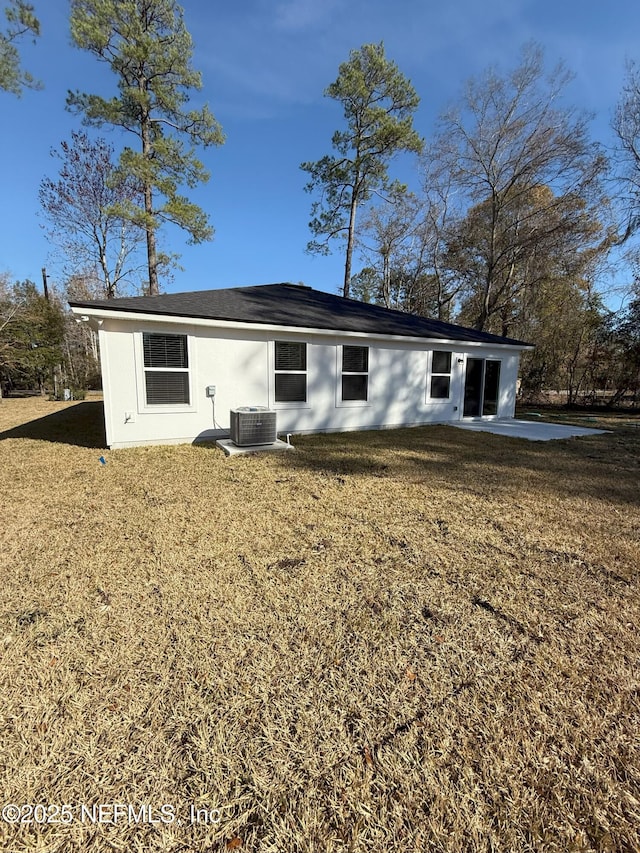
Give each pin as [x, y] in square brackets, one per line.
[97, 315]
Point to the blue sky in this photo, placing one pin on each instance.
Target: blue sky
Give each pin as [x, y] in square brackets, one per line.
[265, 64]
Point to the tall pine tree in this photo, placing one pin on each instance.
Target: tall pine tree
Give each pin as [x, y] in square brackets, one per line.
[147, 46]
[379, 103]
[21, 21]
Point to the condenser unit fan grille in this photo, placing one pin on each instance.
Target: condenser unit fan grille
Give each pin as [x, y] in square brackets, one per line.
[252, 425]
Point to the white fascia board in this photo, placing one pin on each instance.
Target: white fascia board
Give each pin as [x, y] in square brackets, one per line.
[98, 315]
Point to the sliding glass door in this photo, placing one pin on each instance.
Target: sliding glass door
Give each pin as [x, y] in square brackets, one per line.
[491, 387]
[481, 387]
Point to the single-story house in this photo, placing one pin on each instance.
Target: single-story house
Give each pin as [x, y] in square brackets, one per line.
[174, 365]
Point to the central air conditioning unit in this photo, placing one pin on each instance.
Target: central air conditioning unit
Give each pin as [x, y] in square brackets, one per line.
[252, 425]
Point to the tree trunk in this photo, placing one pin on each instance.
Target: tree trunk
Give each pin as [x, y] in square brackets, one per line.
[350, 241]
[95, 347]
[483, 316]
[485, 308]
[152, 253]
[386, 280]
[110, 290]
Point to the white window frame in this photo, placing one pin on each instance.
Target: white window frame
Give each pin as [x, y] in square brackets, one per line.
[287, 404]
[340, 403]
[141, 372]
[431, 374]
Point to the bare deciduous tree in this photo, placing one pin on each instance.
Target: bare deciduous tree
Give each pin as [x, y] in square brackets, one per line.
[530, 174]
[386, 235]
[83, 211]
[626, 124]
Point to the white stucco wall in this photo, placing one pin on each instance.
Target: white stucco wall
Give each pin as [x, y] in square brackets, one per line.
[240, 364]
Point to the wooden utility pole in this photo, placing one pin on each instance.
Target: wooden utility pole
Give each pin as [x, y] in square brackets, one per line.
[54, 375]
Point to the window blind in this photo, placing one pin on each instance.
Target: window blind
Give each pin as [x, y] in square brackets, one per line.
[355, 359]
[167, 388]
[165, 350]
[355, 386]
[291, 355]
[291, 387]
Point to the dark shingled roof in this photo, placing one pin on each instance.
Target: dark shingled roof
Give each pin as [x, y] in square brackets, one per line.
[294, 305]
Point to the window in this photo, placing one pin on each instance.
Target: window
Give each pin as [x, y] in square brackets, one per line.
[355, 373]
[290, 372]
[440, 375]
[166, 369]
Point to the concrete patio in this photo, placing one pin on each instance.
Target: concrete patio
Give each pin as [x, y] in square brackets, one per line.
[531, 430]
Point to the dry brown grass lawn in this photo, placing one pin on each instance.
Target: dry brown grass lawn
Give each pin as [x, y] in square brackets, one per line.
[418, 640]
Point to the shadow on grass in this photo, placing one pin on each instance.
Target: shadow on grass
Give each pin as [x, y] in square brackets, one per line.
[81, 425]
[606, 466]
